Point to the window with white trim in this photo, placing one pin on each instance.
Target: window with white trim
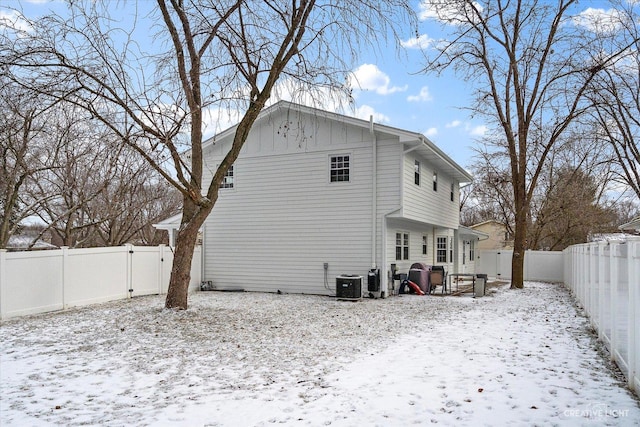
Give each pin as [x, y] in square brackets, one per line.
[402, 246]
[472, 251]
[452, 190]
[435, 181]
[228, 180]
[340, 168]
[441, 249]
[425, 240]
[416, 173]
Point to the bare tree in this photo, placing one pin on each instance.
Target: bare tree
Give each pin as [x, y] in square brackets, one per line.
[571, 210]
[153, 90]
[615, 94]
[531, 67]
[26, 151]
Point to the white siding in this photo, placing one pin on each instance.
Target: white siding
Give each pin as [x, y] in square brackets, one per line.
[416, 231]
[284, 218]
[422, 203]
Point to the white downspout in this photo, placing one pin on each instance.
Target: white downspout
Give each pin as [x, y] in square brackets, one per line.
[384, 279]
[374, 193]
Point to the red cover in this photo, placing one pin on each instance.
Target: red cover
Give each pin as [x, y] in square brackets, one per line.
[415, 288]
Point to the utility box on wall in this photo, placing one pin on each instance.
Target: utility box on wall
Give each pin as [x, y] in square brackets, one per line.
[349, 287]
[373, 280]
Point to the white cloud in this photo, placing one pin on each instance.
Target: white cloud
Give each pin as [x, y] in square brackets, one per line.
[370, 77]
[364, 112]
[478, 130]
[423, 41]
[449, 12]
[431, 132]
[600, 21]
[453, 124]
[423, 96]
[14, 21]
[216, 120]
[329, 99]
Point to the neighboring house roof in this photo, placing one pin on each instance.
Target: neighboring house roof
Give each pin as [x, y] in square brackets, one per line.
[421, 143]
[171, 223]
[491, 221]
[466, 231]
[22, 243]
[611, 237]
[631, 226]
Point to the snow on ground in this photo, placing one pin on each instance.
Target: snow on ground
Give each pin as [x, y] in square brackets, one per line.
[245, 359]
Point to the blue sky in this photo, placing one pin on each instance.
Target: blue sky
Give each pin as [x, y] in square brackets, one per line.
[390, 85]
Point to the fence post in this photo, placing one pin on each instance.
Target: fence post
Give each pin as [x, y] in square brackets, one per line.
[161, 248]
[128, 247]
[65, 273]
[634, 315]
[613, 277]
[601, 291]
[3, 280]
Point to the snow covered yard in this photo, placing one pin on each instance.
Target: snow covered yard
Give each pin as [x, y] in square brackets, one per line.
[238, 359]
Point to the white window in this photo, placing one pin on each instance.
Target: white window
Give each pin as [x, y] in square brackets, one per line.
[340, 166]
[435, 181]
[452, 189]
[227, 181]
[441, 249]
[472, 251]
[464, 252]
[402, 246]
[425, 239]
[416, 173]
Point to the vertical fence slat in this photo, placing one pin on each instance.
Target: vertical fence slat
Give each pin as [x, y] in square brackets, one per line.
[634, 315]
[3, 279]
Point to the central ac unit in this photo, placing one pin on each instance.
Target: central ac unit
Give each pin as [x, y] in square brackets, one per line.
[349, 287]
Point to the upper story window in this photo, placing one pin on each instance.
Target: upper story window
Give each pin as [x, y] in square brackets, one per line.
[340, 166]
[435, 181]
[416, 173]
[452, 190]
[227, 181]
[402, 246]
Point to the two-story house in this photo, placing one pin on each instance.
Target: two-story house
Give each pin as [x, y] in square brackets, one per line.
[314, 195]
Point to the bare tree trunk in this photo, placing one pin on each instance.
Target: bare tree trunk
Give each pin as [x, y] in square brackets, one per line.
[519, 241]
[193, 217]
[181, 269]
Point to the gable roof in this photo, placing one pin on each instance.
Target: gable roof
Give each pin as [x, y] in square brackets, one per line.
[412, 140]
[490, 221]
[633, 225]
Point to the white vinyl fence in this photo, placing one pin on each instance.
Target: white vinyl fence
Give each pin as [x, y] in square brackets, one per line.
[42, 281]
[605, 279]
[541, 266]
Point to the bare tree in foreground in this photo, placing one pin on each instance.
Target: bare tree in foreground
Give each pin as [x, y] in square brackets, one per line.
[154, 90]
[531, 67]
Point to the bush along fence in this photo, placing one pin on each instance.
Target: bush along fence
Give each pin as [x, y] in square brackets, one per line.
[43, 281]
[605, 279]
